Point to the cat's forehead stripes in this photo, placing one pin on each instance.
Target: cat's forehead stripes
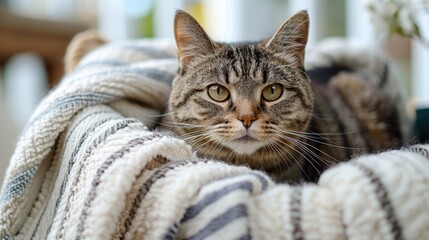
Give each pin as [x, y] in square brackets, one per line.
[242, 62]
[242, 69]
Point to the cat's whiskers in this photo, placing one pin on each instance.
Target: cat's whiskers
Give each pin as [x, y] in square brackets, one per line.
[309, 132]
[324, 116]
[232, 154]
[202, 131]
[159, 115]
[208, 135]
[197, 146]
[195, 137]
[218, 147]
[306, 147]
[323, 133]
[183, 125]
[282, 149]
[309, 158]
[301, 135]
[306, 135]
[311, 136]
[278, 153]
[296, 160]
[193, 132]
[310, 152]
[176, 125]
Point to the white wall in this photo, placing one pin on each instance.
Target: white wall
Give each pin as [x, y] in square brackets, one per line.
[420, 63]
[359, 26]
[8, 135]
[243, 20]
[23, 85]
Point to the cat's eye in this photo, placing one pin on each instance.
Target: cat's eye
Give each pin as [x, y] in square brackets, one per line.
[272, 92]
[218, 93]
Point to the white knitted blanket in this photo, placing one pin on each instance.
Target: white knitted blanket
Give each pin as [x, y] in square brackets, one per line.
[87, 167]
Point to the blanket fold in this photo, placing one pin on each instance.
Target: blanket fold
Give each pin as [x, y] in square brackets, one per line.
[88, 166]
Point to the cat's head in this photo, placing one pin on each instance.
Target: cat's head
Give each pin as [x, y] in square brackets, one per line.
[241, 97]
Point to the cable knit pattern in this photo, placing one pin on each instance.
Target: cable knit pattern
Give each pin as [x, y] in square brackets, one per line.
[88, 167]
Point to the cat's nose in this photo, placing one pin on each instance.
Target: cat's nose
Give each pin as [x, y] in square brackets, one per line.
[247, 120]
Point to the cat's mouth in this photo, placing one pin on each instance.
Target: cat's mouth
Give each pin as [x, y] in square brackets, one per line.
[244, 145]
[246, 138]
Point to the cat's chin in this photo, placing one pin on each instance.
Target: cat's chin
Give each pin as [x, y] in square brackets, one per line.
[243, 147]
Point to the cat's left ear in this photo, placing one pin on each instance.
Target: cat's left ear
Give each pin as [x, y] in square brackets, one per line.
[191, 39]
[291, 37]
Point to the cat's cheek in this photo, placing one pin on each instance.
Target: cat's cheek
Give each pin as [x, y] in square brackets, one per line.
[259, 133]
[223, 105]
[235, 129]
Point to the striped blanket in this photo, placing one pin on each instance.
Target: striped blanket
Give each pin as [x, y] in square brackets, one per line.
[88, 167]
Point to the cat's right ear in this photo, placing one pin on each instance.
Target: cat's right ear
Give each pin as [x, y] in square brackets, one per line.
[191, 39]
[291, 38]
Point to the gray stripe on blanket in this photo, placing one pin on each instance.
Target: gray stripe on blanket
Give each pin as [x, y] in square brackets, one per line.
[384, 200]
[81, 120]
[18, 184]
[43, 210]
[245, 237]
[419, 150]
[145, 188]
[236, 212]
[71, 161]
[4, 235]
[75, 100]
[96, 181]
[102, 65]
[159, 75]
[295, 213]
[171, 233]
[261, 178]
[77, 148]
[151, 73]
[152, 52]
[212, 197]
[138, 51]
[101, 138]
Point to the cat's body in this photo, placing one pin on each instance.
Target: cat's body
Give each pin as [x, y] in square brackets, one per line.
[254, 104]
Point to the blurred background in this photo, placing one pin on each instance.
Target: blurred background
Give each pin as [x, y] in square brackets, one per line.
[35, 33]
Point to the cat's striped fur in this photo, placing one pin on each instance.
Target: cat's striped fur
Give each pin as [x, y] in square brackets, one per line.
[323, 115]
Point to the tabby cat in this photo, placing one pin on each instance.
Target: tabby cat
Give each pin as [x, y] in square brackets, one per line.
[254, 104]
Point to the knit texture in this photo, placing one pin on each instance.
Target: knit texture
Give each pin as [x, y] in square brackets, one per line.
[88, 167]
